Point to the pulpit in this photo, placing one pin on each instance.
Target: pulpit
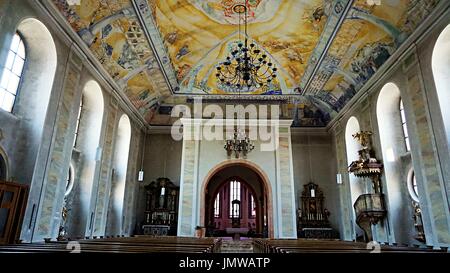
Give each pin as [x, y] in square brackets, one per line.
[313, 216]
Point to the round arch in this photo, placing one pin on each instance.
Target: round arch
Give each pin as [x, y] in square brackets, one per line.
[246, 164]
[223, 183]
[114, 223]
[355, 186]
[440, 64]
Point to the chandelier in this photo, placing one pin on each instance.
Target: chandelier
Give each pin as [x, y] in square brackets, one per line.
[246, 66]
[239, 144]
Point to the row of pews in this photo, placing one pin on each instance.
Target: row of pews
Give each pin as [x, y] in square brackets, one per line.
[139, 244]
[331, 246]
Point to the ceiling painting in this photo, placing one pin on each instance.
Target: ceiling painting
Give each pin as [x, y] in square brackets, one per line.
[164, 52]
[198, 34]
[367, 38]
[113, 33]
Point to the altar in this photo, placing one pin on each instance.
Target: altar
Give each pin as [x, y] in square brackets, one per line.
[313, 217]
[236, 232]
[156, 230]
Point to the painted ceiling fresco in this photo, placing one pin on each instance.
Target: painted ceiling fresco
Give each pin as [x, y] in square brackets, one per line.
[164, 51]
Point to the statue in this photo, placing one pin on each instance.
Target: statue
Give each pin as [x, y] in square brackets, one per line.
[366, 165]
[418, 224]
[363, 138]
[62, 229]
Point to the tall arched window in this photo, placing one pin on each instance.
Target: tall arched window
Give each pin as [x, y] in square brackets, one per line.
[252, 204]
[87, 140]
[404, 126]
[356, 185]
[12, 73]
[441, 72]
[77, 126]
[217, 206]
[394, 142]
[235, 194]
[118, 180]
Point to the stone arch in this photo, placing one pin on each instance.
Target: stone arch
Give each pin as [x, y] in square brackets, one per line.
[35, 89]
[355, 185]
[393, 147]
[118, 180]
[255, 168]
[87, 145]
[440, 64]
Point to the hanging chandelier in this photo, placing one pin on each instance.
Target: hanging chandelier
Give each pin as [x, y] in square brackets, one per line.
[239, 144]
[246, 66]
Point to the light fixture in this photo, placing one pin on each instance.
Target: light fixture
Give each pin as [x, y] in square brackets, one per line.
[141, 171]
[247, 66]
[239, 144]
[339, 179]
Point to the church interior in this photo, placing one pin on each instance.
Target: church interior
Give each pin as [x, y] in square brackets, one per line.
[289, 126]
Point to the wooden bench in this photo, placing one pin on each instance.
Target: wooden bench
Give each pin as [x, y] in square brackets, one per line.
[122, 245]
[327, 246]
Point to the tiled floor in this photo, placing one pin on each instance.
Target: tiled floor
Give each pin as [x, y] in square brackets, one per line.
[244, 245]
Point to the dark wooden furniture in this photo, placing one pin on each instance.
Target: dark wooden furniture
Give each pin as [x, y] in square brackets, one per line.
[13, 198]
[332, 246]
[313, 216]
[369, 210]
[138, 244]
[161, 208]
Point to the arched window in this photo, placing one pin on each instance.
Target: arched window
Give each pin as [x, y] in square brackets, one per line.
[235, 194]
[118, 181]
[394, 142]
[217, 206]
[77, 126]
[441, 72]
[252, 208]
[404, 126]
[87, 140]
[69, 180]
[412, 186]
[12, 73]
[356, 185]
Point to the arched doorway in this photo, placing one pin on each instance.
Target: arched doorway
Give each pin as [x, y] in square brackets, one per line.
[243, 181]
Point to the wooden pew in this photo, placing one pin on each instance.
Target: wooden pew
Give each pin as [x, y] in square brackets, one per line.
[326, 246]
[123, 245]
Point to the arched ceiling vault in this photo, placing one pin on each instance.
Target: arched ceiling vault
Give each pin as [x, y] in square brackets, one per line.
[161, 52]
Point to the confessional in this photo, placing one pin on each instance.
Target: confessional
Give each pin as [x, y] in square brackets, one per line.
[161, 208]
